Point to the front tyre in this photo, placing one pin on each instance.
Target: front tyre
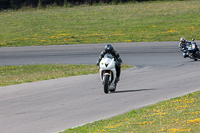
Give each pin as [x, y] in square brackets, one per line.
[106, 84]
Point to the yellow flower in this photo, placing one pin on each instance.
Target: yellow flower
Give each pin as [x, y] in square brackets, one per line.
[190, 28]
[62, 34]
[117, 34]
[161, 130]
[54, 37]
[194, 121]
[171, 31]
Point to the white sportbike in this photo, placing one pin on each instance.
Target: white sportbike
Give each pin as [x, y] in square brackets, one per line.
[108, 73]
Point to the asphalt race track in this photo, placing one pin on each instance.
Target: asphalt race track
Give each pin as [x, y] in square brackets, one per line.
[160, 73]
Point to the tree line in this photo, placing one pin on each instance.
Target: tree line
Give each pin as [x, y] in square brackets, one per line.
[18, 3]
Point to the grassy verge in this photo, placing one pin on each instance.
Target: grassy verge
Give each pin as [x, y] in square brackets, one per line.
[10, 75]
[180, 114]
[132, 22]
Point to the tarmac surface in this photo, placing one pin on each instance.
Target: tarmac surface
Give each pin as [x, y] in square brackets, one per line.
[159, 73]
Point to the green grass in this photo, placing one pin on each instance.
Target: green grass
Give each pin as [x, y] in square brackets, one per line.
[132, 22]
[10, 75]
[180, 114]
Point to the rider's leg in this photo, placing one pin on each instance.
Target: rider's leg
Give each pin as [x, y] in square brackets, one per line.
[118, 69]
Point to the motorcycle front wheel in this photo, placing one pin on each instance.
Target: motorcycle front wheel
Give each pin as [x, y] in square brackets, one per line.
[106, 84]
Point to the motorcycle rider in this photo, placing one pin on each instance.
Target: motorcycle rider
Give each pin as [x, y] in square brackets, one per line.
[109, 49]
[183, 43]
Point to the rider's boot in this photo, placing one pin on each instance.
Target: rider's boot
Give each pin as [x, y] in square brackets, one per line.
[185, 55]
[117, 79]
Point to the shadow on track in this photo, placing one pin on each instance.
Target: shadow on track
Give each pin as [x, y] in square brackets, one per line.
[126, 91]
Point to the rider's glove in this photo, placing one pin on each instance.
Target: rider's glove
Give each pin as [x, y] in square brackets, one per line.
[97, 63]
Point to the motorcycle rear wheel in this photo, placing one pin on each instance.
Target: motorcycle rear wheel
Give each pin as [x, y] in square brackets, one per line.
[106, 84]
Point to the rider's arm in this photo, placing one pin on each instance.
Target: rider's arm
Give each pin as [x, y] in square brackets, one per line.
[179, 44]
[117, 56]
[100, 57]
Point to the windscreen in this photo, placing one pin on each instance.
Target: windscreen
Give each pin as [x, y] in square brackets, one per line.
[108, 56]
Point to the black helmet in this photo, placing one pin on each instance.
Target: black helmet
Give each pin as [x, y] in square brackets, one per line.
[109, 48]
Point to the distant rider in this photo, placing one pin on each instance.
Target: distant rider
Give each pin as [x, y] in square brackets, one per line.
[183, 43]
[109, 49]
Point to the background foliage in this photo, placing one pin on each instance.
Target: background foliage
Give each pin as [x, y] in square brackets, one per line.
[19, 3]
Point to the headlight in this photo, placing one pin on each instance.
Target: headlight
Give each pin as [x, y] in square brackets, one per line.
[193, 46]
